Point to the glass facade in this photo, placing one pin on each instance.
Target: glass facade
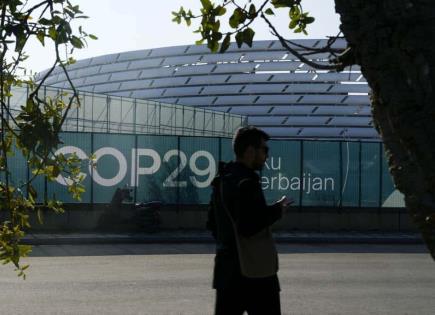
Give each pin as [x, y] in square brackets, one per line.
[115, 114]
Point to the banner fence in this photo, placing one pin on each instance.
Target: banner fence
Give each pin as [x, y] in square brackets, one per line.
[179, 170]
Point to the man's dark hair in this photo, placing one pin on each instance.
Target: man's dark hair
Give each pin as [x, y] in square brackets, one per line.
[246, 136]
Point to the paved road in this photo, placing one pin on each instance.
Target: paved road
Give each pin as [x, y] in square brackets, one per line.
[175, 279]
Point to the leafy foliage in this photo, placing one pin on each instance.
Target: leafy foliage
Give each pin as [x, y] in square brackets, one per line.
[33, 130]
[239, 21]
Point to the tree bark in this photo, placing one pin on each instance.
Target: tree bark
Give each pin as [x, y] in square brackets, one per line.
[393, 42]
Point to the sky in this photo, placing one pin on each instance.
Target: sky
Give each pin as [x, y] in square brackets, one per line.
[142, 24]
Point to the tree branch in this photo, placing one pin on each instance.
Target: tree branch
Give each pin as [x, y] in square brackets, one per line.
[286, 44]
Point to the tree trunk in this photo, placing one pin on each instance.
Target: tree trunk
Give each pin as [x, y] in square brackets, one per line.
[393, 42]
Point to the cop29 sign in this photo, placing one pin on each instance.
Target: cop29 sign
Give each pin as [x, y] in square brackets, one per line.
[136, 171]
[180, 169]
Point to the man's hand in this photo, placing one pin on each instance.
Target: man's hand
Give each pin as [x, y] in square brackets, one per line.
[284, 203]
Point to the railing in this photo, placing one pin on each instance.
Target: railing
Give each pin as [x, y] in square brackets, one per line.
[113, 114]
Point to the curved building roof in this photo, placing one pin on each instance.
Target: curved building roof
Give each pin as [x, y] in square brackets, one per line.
[277, 92]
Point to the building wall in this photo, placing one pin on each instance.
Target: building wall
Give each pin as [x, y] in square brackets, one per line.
[277, 92]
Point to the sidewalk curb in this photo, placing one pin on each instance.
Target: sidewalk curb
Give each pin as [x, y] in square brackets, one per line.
[84, 239]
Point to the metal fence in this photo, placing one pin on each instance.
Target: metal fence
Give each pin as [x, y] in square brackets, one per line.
[114, 114]
[179, 170]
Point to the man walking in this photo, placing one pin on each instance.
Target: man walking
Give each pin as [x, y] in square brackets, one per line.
[246, 262]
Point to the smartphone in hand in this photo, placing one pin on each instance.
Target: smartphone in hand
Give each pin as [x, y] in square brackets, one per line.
[285, 202]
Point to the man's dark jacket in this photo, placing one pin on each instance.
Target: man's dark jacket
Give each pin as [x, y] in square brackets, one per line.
[244, 198]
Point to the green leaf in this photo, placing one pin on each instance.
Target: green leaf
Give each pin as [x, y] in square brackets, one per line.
[45, 22]
[309, 20]
[293, 24]
[39, 216]
[216, 36]
[67, 27]
[216, 26]
[248, 36]
[24, 251]
[92, 36]
[213, 45]
[283, 3]
[269, 12]
[206, 4]
[239, 39]
[32, 192]
[295, 12]
[69, 12]
[235, 19]
[76, 42]
[252, 11]
[225, 43]
[52, 32]
[20, 41]
[220, 10]
[41, 36]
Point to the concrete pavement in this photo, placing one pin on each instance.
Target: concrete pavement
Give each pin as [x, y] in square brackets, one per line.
[162, 279]
[201, 236]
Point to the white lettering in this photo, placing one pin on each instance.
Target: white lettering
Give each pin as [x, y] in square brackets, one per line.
[317, 184]
[264, 182]
[295, 183]
[282, 179]
[331, 180]
[135, 157]
[210, 170]
[122, 167]
[275, 167]
[170, 181]
[272, 180]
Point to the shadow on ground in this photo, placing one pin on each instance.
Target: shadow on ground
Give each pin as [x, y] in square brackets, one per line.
[174, 249]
